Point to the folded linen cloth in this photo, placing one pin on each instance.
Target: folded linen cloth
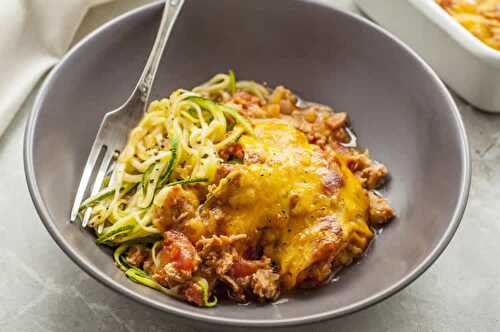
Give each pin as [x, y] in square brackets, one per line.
[34, 36]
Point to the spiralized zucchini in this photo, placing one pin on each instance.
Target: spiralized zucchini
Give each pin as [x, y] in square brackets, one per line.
[177, 142]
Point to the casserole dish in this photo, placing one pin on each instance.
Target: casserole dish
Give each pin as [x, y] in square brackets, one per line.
[469, 67]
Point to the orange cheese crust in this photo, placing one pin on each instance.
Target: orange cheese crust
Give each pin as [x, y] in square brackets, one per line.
[287, 205]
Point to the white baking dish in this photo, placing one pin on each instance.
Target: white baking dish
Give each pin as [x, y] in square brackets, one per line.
[467, 65]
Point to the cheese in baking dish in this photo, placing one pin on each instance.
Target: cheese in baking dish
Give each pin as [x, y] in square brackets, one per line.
[480, 17]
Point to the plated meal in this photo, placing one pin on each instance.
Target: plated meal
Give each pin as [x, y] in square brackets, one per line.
[480, 17]
[234, 190]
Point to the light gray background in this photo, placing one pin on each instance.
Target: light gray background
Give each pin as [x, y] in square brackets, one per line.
[42, 290]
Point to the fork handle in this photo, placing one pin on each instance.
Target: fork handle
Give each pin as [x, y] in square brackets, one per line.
[170, 13]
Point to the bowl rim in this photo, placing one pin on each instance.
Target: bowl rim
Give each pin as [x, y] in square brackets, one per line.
[46, 218]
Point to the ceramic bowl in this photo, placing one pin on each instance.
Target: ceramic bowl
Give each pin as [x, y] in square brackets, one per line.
[398, 107]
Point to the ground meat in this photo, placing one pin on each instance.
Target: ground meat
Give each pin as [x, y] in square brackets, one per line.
[336, 121]
[192, 293]
[239, 267]
[215, 246]
[178, 260]
[252, 106]
[317, 138]
[179, 205]
[242, 267]
[356, 161]
[149, 266]
[223, 170]
[137, 255]
[374, 175]
[321, 125]
[233, 151]
[223, 261]
[336, 147]
[246, 99]
[265, 284]
[340, 135]
[219, 254]
[380, 211]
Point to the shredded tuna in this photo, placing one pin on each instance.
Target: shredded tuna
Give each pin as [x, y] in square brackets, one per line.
[180, 205]
[321, 125]
[136, 255]
[222, 261]
[252, 106]
[192, 293]
[374, 175]
[380, 211]
[357, 161]
[265, 284]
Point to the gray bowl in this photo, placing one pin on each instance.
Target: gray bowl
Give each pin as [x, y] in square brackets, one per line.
[401, 111]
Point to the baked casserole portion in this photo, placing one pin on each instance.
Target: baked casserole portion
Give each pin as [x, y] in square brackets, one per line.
[237, 190]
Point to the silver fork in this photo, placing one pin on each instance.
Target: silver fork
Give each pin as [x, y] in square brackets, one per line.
[115, 126]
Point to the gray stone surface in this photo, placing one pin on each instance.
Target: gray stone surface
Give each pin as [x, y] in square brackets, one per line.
[42, 290]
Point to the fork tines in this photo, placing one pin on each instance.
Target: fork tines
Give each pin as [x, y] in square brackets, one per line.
[88, 171]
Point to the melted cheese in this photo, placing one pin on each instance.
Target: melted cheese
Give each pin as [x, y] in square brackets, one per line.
[282, 205]
[479, 17]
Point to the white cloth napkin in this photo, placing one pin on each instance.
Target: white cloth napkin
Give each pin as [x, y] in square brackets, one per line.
[34, 35]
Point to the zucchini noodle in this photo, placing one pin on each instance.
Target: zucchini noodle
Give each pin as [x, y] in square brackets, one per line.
[177, 142]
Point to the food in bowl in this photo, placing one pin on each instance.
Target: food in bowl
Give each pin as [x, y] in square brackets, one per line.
[480, 17]
[235, 190]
